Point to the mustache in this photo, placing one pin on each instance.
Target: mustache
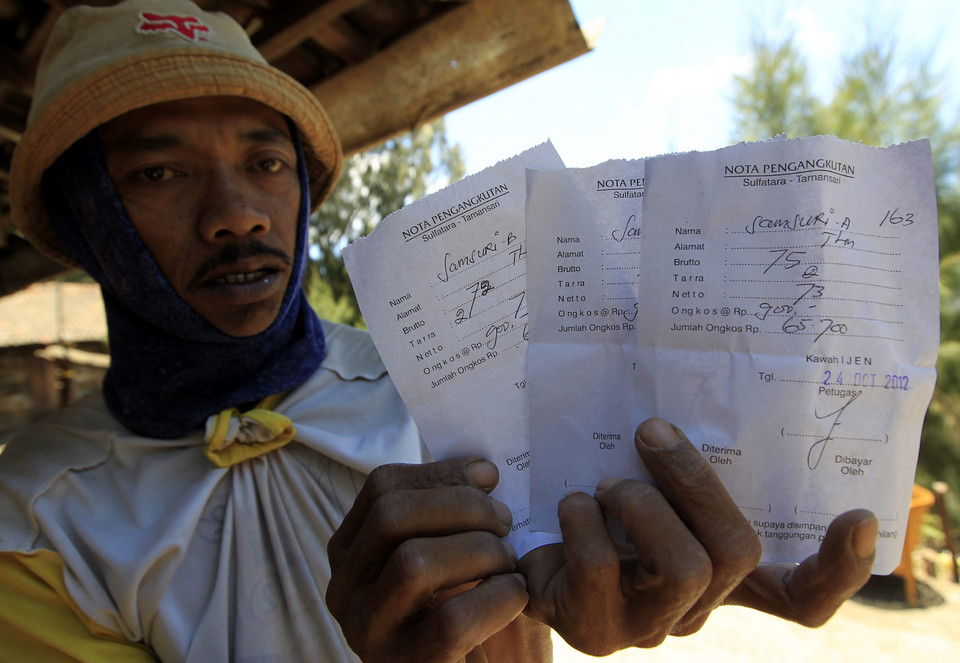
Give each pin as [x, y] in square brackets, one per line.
[231, 253]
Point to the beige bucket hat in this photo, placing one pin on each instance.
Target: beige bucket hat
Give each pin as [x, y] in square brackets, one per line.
[101, 62]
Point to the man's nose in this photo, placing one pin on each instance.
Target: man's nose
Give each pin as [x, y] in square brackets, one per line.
[229, 207]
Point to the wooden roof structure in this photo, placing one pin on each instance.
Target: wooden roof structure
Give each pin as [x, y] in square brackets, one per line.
[380, 67]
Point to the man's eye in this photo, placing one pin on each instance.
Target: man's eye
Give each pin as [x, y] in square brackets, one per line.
[271, 165]
[155, 174]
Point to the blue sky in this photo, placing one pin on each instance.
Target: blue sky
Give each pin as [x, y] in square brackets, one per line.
[660, 77]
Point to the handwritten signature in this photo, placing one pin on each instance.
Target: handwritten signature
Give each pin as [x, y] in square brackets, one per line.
[816, 450]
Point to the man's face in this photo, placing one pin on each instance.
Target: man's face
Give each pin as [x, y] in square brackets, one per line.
[211, 187]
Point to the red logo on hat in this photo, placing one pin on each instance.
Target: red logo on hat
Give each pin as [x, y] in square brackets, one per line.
[188, 27]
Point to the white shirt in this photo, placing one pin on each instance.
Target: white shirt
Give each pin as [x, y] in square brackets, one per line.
[202, 563]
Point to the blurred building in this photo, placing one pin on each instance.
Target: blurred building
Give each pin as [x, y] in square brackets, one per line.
[53, 349]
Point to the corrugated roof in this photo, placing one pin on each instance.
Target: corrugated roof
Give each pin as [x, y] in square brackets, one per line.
[52, 312]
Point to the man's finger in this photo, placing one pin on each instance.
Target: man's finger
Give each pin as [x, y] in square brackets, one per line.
[669, 558]
[475, 472]
[449, 632]
[583, 572]
[401, 515]
[811, 592]
[592, 560]
[698, 496]
[669, 566]
[684, 477]
[418, 572]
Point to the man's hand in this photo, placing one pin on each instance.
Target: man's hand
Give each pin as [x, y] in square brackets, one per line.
[419, 571]
[688, 549]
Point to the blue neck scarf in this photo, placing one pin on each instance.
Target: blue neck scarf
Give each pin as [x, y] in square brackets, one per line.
[170, 368]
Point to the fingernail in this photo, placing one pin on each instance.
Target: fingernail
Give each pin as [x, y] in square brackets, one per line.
[864, 539]
[483, 474]
[608, 483]
[511, 551]
[503, 512]
[659, 434]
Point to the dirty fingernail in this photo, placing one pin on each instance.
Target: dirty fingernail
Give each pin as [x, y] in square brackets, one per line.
[659, 434]
[483, 474]
[864, 540]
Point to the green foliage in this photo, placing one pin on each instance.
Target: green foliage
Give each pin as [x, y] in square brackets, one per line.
[372, 185]
[774, 96]
[940, 448]
[879, 99]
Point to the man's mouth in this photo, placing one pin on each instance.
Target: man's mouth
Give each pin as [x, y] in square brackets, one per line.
[244, 284]
[242, 278]
[253, 261]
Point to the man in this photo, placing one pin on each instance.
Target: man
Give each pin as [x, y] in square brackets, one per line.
[249, 486]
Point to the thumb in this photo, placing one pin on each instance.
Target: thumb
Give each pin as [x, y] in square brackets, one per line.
[811, 592]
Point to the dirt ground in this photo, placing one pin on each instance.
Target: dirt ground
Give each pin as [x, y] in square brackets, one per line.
[876, 626]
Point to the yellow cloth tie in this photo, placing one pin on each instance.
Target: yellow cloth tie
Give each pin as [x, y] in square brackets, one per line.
[233, 437]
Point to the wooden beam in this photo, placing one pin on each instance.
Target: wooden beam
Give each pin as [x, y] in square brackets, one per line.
[12, 126]
[291, 36]
[339, 38]
[467, 53]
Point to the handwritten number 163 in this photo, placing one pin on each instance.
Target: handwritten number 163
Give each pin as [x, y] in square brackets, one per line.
[895, 218]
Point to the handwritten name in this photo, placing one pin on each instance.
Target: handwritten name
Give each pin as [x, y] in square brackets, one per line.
[451, 264]
[630, 230]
